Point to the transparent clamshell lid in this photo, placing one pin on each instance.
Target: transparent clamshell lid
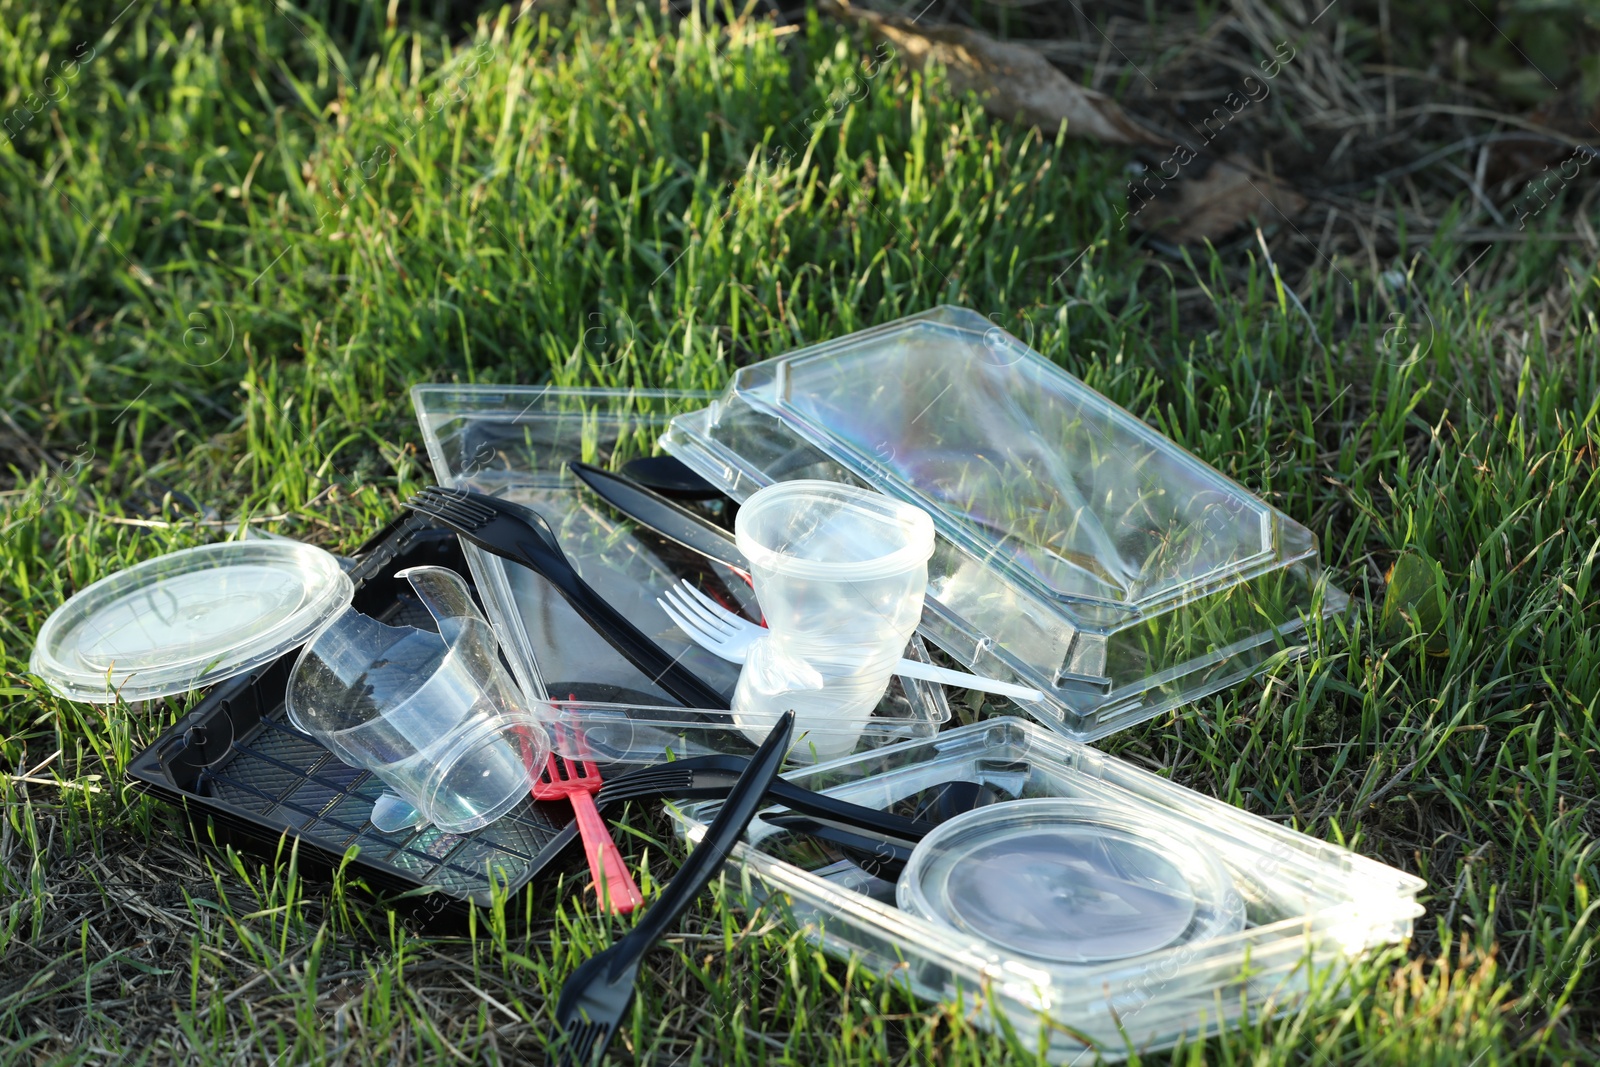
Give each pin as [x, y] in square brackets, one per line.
[1080, 551]
[187, 619]
[1019, 462]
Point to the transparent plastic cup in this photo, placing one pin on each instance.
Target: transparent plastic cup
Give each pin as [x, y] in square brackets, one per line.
[840, 574]
[435, 716]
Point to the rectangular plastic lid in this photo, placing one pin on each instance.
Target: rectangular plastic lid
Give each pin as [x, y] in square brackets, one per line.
[1019, 463]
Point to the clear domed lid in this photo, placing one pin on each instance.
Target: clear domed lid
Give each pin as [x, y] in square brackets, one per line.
[187, 619]
[1068, 881]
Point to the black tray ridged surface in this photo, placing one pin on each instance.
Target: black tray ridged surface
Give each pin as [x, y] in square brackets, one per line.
[236, 763]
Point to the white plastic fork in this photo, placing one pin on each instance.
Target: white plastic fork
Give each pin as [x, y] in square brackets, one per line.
[722, 633]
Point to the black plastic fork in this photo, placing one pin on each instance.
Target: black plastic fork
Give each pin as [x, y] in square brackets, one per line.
[596, 997]
[521, 535]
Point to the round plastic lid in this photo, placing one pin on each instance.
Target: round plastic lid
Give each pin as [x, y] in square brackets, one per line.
[188, 619]
[1068, 881]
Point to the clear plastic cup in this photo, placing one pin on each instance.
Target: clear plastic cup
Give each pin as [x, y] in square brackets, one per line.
[435, 716]
[840, 574]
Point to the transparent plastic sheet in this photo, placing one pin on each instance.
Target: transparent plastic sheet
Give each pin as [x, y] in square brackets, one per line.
[516, 442]
[1079, 551]
[1273, 911]
[638, 734]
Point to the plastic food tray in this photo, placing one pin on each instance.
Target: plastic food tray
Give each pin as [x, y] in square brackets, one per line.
[1308, 906]
[516, 442]
[1080, 552]
[235, 761]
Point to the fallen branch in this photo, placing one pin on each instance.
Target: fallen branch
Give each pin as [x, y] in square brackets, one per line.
[1014, 81]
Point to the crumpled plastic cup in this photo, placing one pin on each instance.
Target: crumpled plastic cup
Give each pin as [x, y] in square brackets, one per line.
[435, 716]
[840, 574]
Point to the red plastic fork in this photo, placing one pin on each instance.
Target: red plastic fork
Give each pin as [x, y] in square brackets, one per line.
[578, 780]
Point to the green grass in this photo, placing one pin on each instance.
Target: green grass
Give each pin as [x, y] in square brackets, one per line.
[202, 298]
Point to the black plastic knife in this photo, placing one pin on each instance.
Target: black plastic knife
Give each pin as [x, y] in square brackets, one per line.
[655, 512]
[669, 476]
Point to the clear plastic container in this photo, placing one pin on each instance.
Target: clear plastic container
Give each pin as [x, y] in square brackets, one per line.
[1256, 914]
[1079, 551]
[434, 715]
[839, 573]
[516, 441]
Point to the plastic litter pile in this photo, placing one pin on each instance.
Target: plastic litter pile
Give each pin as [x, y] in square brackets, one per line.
[606, 581]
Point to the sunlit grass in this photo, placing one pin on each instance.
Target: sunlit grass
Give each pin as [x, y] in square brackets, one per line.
[240, 237]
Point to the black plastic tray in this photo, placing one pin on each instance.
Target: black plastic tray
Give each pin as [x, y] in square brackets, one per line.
[247, 778]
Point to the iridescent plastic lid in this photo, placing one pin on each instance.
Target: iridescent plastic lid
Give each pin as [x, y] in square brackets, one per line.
[188, 619]
[1068, 881]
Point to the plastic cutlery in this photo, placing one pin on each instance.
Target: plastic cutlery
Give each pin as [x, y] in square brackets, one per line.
[596, 997]
[578, 781]
[721, 632]
[521, 534]
[710, 777]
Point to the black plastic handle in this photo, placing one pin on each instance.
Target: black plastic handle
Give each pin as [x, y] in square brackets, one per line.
[882, 855]
[623, 635]
[713, 775]
[518, 533]
[664, 517]
[744, 800]
[823, 806]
